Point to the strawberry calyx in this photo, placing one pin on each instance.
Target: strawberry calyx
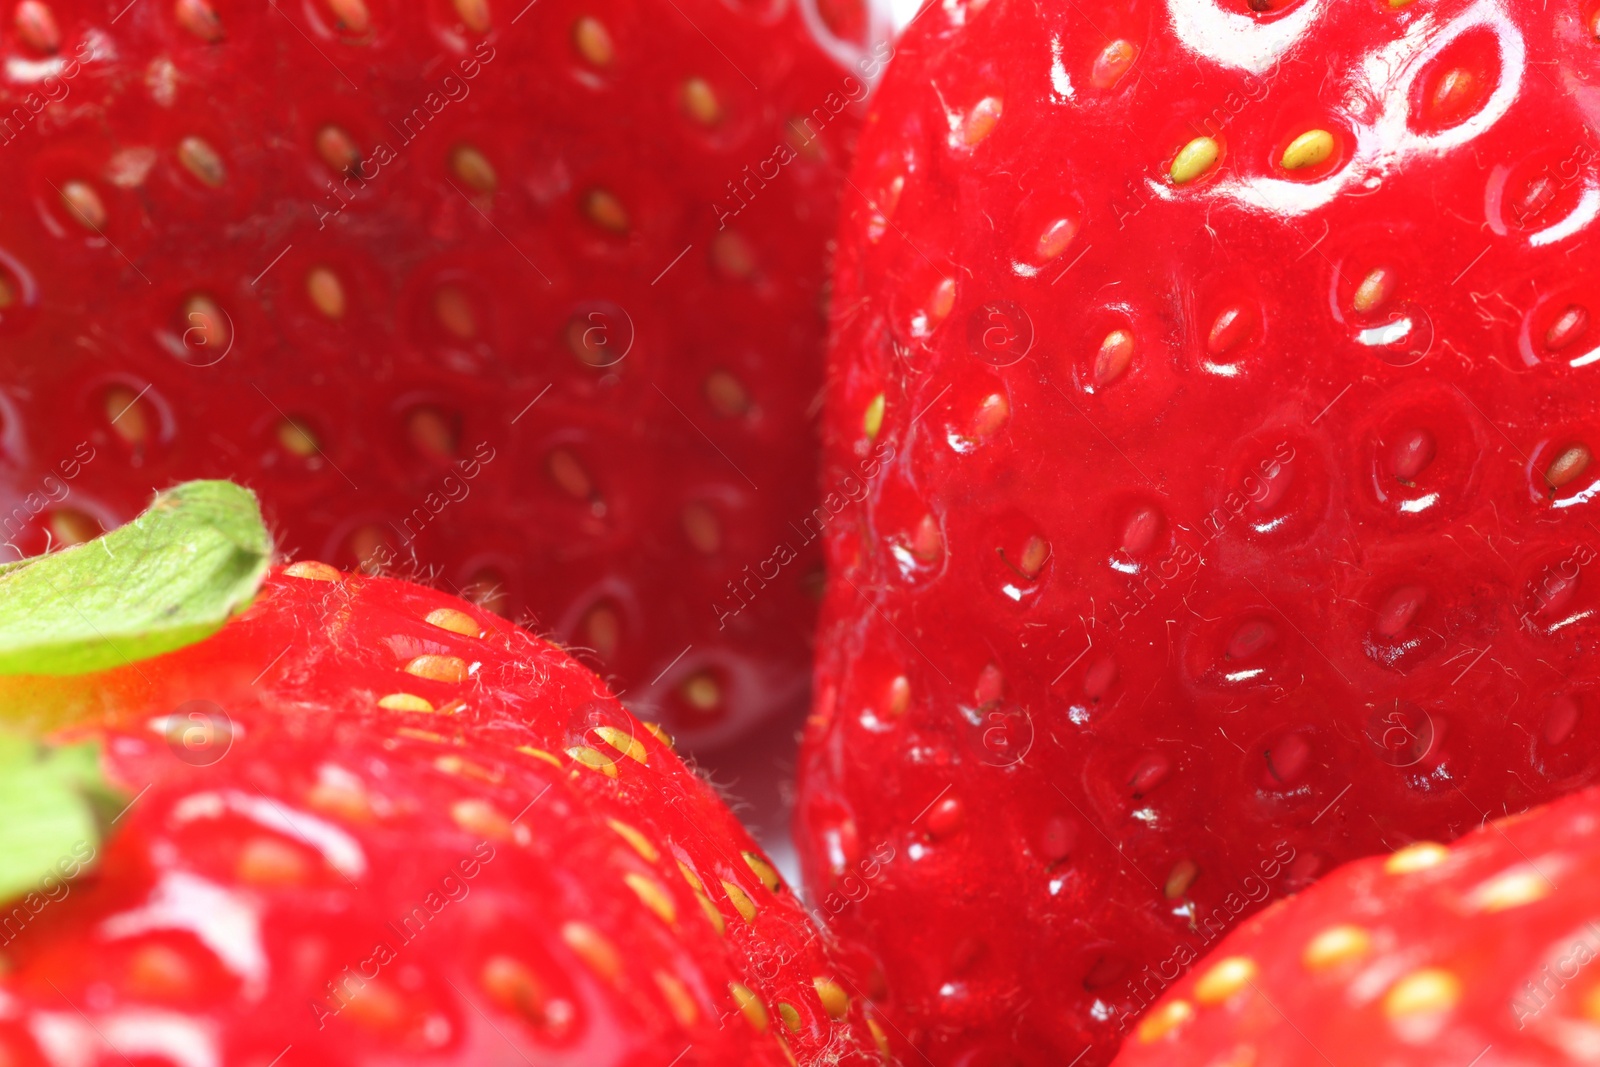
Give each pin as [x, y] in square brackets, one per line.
[169, 578]
[55, 807]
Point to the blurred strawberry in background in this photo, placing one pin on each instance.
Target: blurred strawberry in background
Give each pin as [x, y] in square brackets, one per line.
[525, 300]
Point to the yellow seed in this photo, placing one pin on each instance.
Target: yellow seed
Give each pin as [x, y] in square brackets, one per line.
[326, 292]
[700, 102]
[763, 870]
[872, 420]
[313, 571]
[701, 527]
[1308, 150]
[741, 902]
[1399, 3]
[749, 1004]
[594, 760]
[1180, 878]
[129, 417]
[1165, 1019]
[36, 25]
[602, 630]
[726, 394]
[465, 768]
[1336, 945]
[437, 668]
[1591, 1004]
[202, 161]
[702, 692]
[69, 526]
[942, 302]
[1566, 467]
[337, 149]
[713, 916]
[267, 861]
[1374, 291]
[899, 695]
[457, 622]
[1194, 160]
[624, 742]
[1423, 992]
[200, 19]
[1035, 554]
[84, 205]
[641, 844]
[657, 732]
[204, 326]
[878, 1036]
[790, 1016]
[1055, 239]
[404, 702]
[420, 735]
[1512, 889]
[835, 1001]
[653, 895]
[473, 168]
[541, 754]
[482, 818]
[593, 948]
[980, 123]
[1112, 63]
[1224, 979]
[566, 470]
[605, 211]
[679, 1002]
[992, 415]
[1114, 356]
[431, 431]
[351, 16]
[1417, 857]
[474, 15]
[691, 877]
[453, 309]
[593, 41]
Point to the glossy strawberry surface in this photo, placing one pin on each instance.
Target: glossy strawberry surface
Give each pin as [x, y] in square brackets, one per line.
[524, 298]
[368, 823]
[1479, 952]
[1216, 382]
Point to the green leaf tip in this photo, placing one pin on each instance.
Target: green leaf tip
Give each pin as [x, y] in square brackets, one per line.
[54, 807]
[169, 578]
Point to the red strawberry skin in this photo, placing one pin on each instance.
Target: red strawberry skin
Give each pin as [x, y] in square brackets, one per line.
[314, 861]
[1431, 955]
[538, 335]
[1220, 380]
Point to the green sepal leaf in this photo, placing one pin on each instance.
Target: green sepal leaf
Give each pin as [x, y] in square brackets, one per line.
[167, 579]
[54, 805]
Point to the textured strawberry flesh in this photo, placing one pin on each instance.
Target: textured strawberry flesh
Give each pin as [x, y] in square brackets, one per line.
[536, 348]
[309, 868]
[1429, 956]
[1216, 530]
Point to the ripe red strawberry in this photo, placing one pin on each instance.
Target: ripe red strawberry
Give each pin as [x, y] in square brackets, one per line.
[524, 297]
[1218, 376]
[1433, 955]
[369, 823]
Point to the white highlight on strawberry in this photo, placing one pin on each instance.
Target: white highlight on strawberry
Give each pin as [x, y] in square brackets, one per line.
[341, 850]
[1234, 39]
[220, 918]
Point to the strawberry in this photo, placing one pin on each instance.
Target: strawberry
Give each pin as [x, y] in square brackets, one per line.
[524, 298]
[1431, 955]
[363, 823]
[1212, 380]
